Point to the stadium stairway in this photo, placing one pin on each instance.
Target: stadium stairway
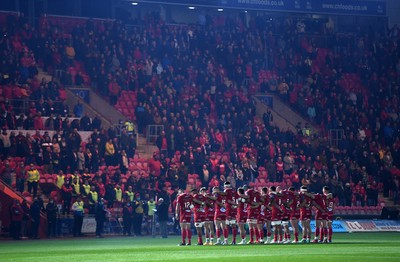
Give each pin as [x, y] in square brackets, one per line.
[7, 196]
[284, 117]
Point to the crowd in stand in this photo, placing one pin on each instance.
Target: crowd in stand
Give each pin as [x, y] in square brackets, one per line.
[190, 79]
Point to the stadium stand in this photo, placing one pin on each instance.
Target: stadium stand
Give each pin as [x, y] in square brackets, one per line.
[197, 83]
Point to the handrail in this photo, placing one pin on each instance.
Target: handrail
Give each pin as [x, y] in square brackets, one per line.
[8, 190]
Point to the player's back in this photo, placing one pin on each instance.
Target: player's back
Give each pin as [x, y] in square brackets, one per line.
[286, 197]
[296, 201]
[185, 202]
[320, 200]
[199, 198]
[306, 200]
[330, 202]
[230, 195]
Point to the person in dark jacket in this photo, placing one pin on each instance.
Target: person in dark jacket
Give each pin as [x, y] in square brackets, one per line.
[51, 211]
[35, 218]
[162, 215]
[16, 214]
[66, 192]
[100, 216]
[127, 218]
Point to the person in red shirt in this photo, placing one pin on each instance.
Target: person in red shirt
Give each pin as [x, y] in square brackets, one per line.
[259, 231]
[279, 169]
[253, 210]
[320, 218]
[183, 212]
[285, 206]
[330, 206]
[241, 215]
[295, 213]
[199, 213]
[265, 215]
[209, 219]
[231, 210]
[307, 201]
[38, 122]
[276, 216]
[220, 216]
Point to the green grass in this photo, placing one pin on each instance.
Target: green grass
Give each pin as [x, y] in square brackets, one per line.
[350, 247]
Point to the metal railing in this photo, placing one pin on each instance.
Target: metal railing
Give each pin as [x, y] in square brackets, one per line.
[335, 135]
[153, 132]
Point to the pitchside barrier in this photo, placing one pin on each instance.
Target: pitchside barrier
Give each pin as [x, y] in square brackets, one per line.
[114, 226]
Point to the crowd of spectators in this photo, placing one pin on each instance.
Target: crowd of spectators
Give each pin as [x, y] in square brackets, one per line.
[197, 81]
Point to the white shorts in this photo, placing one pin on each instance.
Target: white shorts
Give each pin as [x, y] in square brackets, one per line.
[251, 221]
[199, 224]
[285, 223]
[276, 223]
[230, 222]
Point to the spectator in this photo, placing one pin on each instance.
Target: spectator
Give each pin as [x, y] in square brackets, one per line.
[5, 144]
[35, 218]
[16, 214]
[109, 153]
[162, 215]
[138, 213]
[78, 210]
[66, 192]
[127, 214]
[51, 211]
[100, 216]
[33, 180]
[6, 174]
[25, 219]
[78, 109]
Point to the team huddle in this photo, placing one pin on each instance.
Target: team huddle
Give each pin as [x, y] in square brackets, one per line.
[273, 208]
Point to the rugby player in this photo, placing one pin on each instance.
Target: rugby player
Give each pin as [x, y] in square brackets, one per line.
[285, 206]
[266, 214]
[276, 215]
[330, 206]
[295, 213]
[199, 214]
[231, 210]
[209, 218]
[183, 212]
[220, 217]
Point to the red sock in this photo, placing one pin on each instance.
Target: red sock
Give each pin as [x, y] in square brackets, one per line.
[317, 232]
[285, 235]
[288, 236]
[189, 235]
[330, 233]
[280, 236]
[257, 233]
[296, 236]
[212, 235]
[218, 233]
[251, 235]
[183, 236]
[325, 232]
[226, 232]
[261, 234]
[207, 234]
[269, 233]
[199, 239]
[275, 235]
[234, 233]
